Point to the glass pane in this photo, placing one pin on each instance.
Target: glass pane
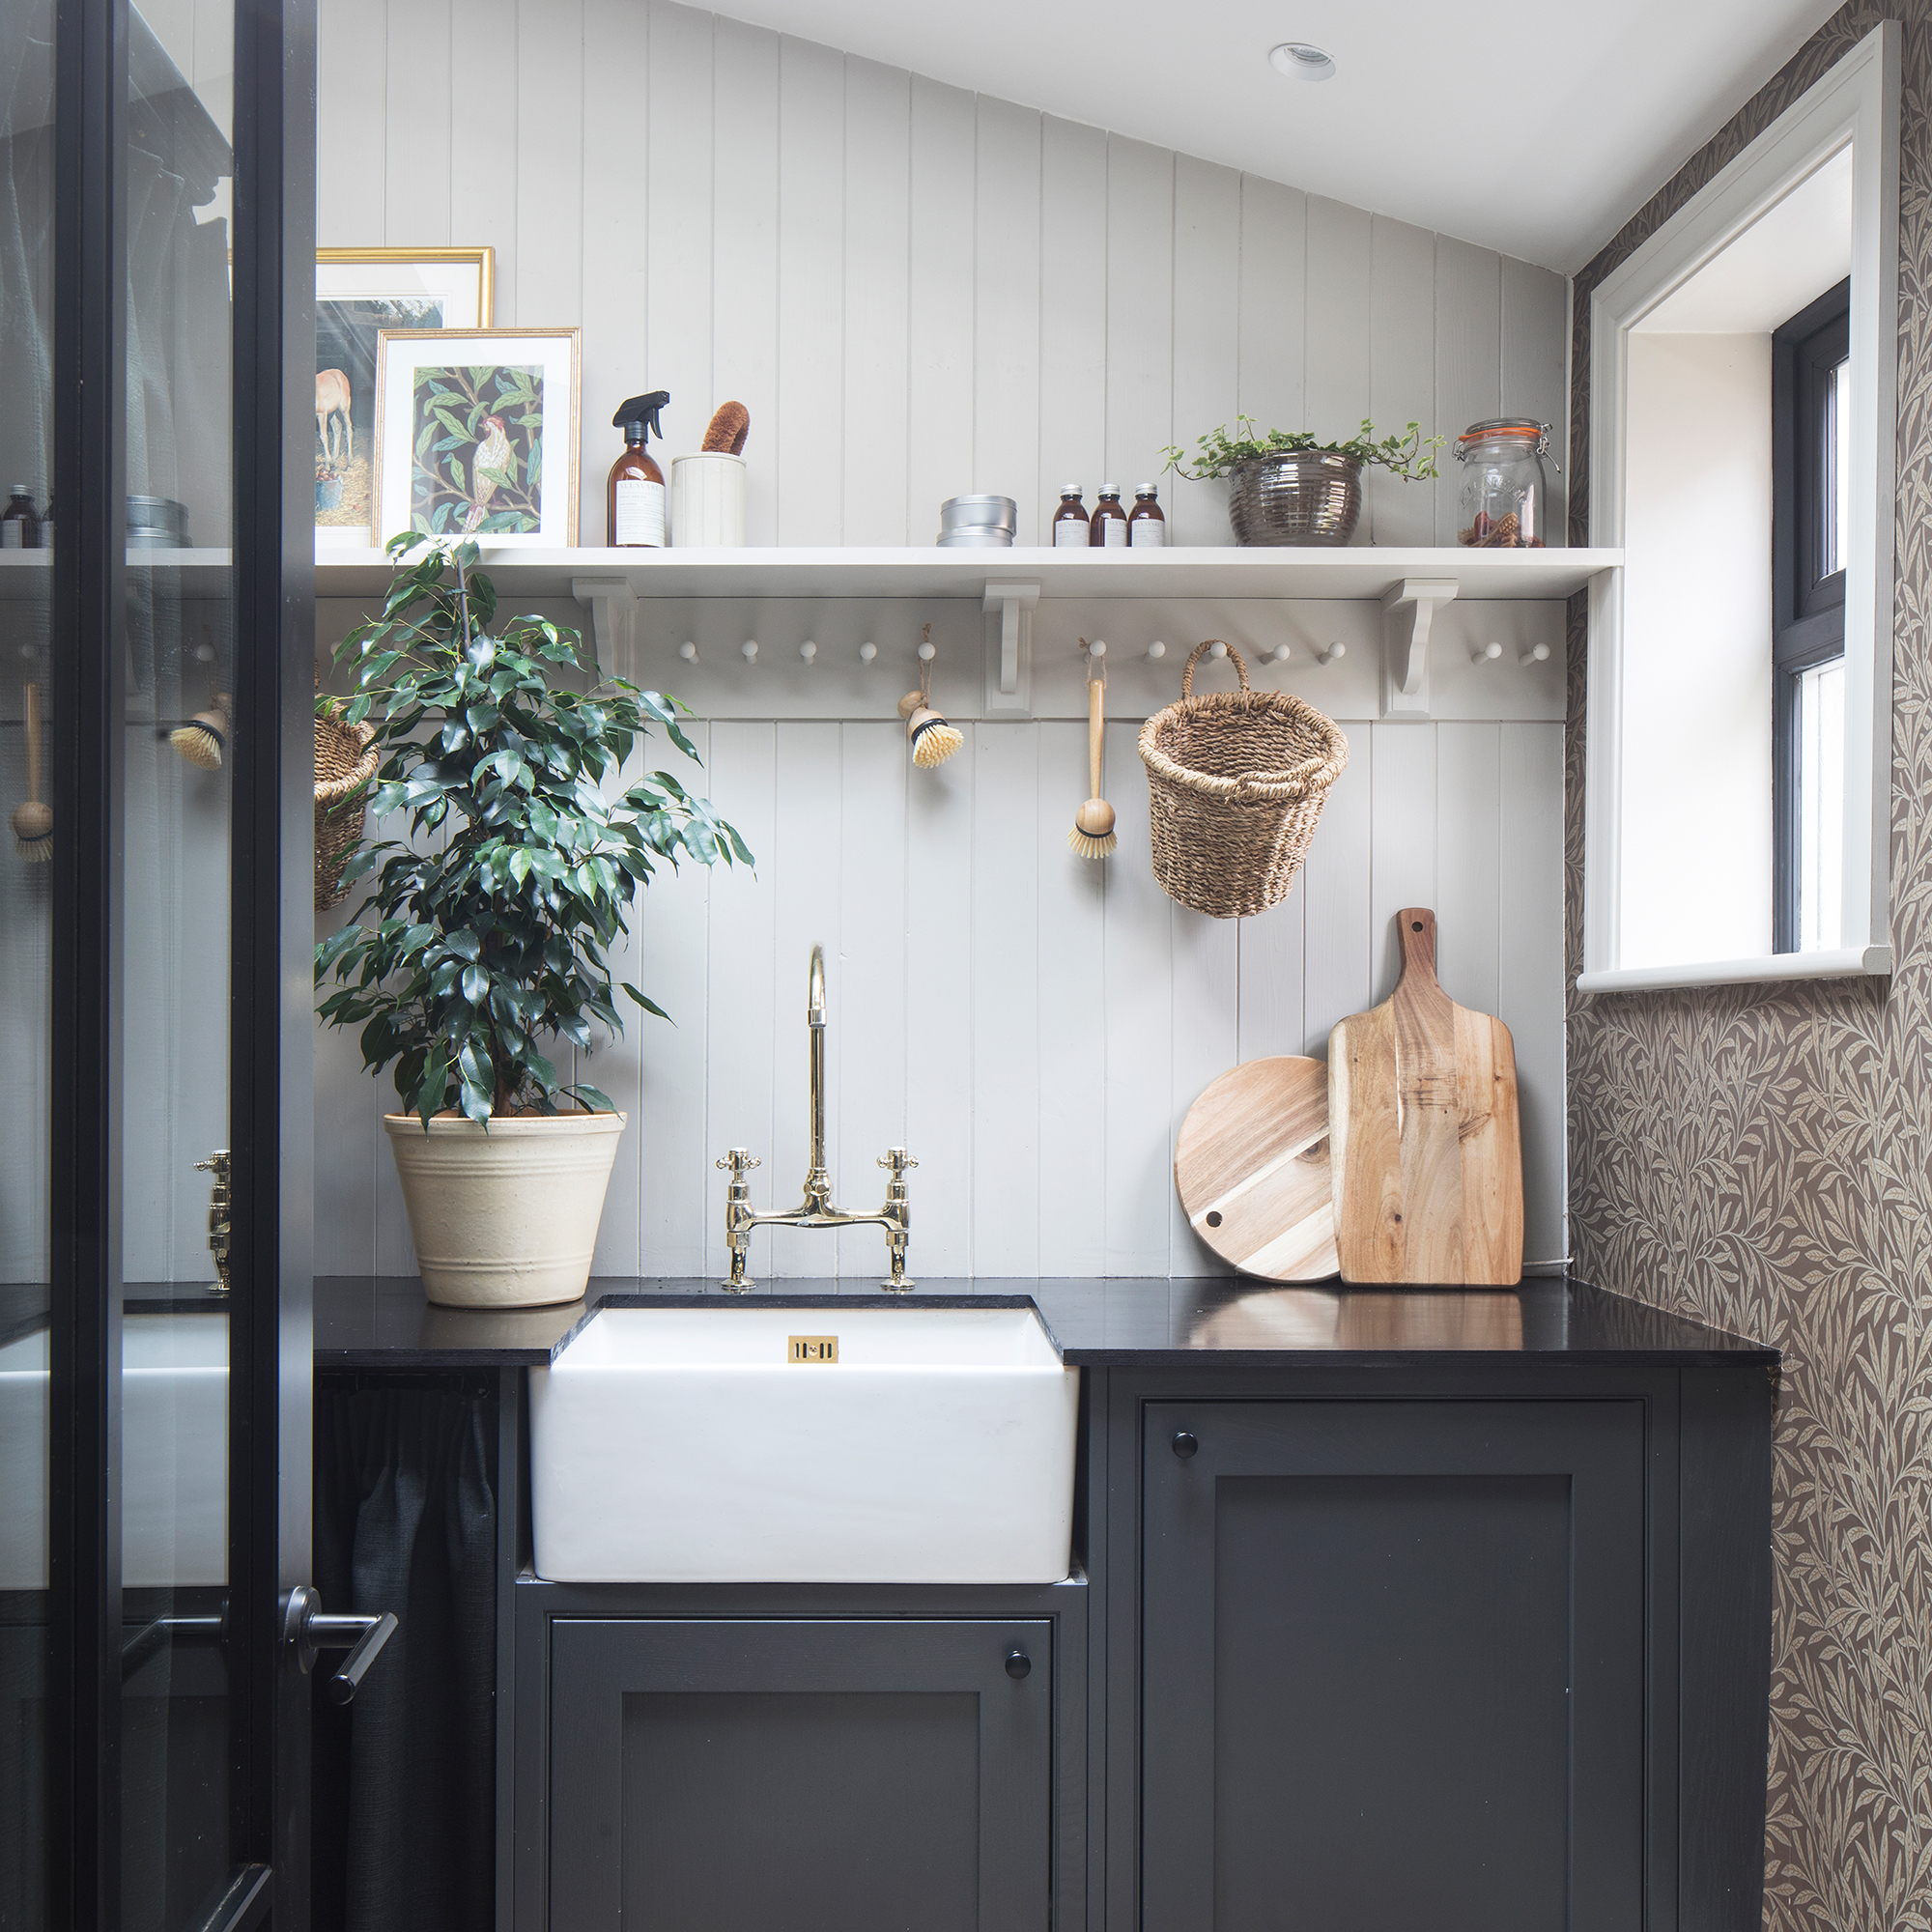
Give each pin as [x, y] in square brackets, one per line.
[26, 425]
[181, 643]
[1838, 513]
[1820, 805]
[1834, 459]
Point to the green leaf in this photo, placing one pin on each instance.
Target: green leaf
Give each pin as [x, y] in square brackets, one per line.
[475, 984]
[595, 1095]
[649, 1006]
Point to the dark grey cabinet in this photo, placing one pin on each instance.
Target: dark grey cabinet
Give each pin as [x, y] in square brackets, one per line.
[820, 1774]
[1393, 1664]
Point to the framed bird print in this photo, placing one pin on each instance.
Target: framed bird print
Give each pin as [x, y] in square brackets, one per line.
[358, 293]
[476, 436]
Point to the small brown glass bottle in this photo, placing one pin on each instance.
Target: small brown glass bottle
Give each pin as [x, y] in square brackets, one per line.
[1108, 529]
[20, 522]
[1147, 527]
[1069, 520]
[636, 503]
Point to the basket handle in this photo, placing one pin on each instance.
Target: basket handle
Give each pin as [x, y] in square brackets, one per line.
[1194, 657]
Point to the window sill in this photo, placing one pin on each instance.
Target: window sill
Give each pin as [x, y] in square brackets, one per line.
[1843, 963]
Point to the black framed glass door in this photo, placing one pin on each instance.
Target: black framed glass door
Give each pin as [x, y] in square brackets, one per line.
[154, 1213]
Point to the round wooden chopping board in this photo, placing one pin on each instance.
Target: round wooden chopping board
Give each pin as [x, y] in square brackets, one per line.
[1252, 1167]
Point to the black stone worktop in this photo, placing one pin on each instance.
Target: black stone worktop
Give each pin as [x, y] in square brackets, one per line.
[385, 1322]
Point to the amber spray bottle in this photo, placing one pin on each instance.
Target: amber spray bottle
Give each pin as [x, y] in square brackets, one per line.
[636, 505]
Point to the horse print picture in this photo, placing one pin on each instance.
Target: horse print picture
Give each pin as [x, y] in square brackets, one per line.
[359, 293]
[345, 398]
[477, 449]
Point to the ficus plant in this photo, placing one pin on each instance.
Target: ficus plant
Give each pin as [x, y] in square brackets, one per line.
[1411, 456]
[486, 934]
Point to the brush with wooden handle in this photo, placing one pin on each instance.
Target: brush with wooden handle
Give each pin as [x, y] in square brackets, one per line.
[1092, 836]
[33, 821]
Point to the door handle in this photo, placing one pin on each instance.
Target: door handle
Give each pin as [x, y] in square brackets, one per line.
[307, 1629]
[1184, 1444]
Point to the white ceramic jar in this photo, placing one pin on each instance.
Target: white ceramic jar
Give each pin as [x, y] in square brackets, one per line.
[707, 501]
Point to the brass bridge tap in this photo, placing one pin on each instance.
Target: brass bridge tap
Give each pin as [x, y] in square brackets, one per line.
[815, 1209]
[220, 1214]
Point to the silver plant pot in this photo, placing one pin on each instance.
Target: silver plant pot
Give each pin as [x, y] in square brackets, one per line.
[1302, 498]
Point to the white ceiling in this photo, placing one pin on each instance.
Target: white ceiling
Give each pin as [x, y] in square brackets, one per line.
[1536, 128]
[1789, 256]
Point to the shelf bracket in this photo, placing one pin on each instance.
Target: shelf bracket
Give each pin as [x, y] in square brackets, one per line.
[1408, 612]
[613, 614]
[1009, 608]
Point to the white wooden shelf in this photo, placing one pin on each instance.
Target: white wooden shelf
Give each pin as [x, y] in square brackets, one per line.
[1224, 571]
[194, 573]
[1221, 570]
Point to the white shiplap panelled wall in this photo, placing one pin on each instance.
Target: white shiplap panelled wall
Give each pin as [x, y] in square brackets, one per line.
[1032, 1025]
[917, 293]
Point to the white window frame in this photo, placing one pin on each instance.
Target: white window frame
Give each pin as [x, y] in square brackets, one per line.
[1858, 101]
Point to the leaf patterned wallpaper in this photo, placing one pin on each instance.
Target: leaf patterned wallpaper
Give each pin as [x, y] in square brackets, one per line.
[1762, 1159]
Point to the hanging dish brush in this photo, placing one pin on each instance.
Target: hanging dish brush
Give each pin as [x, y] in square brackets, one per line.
[932, 739]
[204, 738]
[1092, 836]
[33, 821]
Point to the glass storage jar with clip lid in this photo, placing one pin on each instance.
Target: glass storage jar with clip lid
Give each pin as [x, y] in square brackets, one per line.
[1503, 499]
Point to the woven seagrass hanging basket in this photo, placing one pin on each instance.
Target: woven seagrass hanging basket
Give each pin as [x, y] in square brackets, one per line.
[344, 762]
[1236, 782]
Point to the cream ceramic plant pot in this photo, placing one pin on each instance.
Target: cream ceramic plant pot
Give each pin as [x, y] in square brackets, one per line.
[508, 1218]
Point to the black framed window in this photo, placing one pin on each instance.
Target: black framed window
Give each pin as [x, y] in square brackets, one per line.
[1810, 394]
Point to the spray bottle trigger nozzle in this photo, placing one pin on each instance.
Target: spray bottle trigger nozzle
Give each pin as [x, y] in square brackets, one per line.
[642, 413]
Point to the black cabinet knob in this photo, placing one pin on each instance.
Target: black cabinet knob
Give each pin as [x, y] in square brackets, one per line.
[1184, 1445]
[1018, 1664]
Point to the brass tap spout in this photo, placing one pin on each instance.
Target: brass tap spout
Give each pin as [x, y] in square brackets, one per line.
[815, 1209]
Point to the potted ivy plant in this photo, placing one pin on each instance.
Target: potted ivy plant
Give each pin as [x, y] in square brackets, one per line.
[479, 958]
[1288, 487]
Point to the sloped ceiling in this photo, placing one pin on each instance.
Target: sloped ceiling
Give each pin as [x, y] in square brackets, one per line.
[1535, 128]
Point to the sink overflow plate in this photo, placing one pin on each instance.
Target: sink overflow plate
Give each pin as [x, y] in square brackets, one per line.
[813, 1349]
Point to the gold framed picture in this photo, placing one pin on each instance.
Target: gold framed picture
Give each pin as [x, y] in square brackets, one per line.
[358, 293]
[476, 434]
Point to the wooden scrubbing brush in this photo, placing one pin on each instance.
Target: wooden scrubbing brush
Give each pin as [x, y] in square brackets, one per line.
[731, 424]
[204, 738]
[933, 740]
[33, 821]
[1092, 836]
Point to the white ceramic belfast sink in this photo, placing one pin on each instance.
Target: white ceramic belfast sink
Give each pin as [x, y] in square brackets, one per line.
[173, 1453]
[683, 1445]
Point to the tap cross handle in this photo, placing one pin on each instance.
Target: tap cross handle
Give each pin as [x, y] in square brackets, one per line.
[740, 1161]
[898, 1160]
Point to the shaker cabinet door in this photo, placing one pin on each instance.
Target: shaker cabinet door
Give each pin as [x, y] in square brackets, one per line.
[821, 1777]
[1393, 1666]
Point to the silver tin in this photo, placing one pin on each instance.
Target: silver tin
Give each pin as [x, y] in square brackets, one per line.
[993, 513]
[975, 536]
[157, 523]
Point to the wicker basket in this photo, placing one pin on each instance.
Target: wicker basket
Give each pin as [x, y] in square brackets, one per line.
[1236, 782]
[344, 762]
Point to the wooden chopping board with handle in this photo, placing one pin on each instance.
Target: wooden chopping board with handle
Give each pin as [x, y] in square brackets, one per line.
[1251, 1164]
[1425, 1151]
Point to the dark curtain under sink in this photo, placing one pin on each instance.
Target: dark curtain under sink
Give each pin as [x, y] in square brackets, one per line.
[405, 1778]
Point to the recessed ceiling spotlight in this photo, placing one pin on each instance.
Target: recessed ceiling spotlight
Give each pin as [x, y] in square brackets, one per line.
[1302, 61]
